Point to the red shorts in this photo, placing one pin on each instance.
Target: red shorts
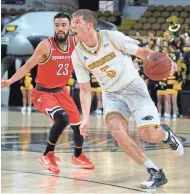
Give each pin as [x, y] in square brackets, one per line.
[49, 103]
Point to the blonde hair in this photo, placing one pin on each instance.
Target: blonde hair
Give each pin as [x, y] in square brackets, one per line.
[88, 16]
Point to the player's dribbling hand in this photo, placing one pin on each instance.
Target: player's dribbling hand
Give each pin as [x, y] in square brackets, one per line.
[5, 83]
[83, 128]
[173, 65]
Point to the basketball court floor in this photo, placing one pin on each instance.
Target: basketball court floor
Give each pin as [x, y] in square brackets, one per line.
[23, 139]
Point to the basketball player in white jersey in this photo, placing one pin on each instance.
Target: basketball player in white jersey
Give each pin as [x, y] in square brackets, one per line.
[106, 54]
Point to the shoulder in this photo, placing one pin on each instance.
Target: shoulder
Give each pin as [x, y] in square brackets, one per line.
[44, 44]
[113, 33]
[113, 36]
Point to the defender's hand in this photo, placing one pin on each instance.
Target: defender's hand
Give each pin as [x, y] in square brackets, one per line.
[83, 127]
[174, 66]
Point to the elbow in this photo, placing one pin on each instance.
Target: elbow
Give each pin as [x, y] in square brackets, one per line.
[85, 87]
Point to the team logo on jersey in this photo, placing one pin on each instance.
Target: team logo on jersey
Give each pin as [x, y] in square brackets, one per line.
[85, 58]
[102, 61]
[149, 117]
[39, 99]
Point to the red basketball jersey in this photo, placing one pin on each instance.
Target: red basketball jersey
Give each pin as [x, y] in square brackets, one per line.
[57, 69]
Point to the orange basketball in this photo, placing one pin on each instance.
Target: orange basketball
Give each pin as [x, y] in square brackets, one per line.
[157, 66]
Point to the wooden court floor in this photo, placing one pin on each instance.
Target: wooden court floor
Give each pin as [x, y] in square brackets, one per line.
[23, 139]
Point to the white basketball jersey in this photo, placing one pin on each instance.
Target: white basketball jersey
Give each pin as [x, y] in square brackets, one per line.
[111, 64]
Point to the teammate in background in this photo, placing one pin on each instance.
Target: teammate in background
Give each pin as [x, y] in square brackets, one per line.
[50, 96]
[106, 54]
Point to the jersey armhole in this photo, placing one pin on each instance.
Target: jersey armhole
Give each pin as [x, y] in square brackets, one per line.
[114, 46]
[41, 63]
[80, 59]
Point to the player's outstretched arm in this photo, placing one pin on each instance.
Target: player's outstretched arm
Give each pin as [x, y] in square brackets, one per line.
[142, 53]
[83, 78]
[38, 56]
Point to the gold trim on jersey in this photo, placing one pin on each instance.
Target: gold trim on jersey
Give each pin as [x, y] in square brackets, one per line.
[41, 63]
[99, 46]
[112, 42]
[151, 125]
[118, 113]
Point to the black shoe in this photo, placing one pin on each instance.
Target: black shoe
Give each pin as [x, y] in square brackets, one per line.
[156, 179]
[173, 141]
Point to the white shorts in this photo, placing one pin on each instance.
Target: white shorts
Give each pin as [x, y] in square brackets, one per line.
[133, 99]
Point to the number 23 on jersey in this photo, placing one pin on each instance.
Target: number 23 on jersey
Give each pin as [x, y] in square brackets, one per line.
[63, 69]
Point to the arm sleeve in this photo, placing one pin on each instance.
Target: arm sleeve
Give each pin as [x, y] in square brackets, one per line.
[123, 43]
[82, 74]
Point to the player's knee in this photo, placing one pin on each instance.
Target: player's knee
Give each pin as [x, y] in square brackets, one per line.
[111, 122]
[148, 134]
[115, 124]
[61, 119]
[78, 138]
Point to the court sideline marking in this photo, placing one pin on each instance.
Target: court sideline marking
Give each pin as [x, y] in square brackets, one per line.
[65, 177]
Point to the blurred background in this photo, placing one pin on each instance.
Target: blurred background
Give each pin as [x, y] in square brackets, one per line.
[159, 25]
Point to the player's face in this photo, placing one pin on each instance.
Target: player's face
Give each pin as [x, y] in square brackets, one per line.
[80, 28]
[61, 28]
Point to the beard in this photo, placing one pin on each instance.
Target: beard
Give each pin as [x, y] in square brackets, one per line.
[61, 39]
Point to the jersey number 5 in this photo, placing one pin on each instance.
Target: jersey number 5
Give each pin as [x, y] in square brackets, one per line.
[110, 73]
[63, 69]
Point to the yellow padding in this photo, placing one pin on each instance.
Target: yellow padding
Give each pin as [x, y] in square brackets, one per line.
[177, 86]
[96, 89]
[30, 87]
[171, 91]
[161, 92]
[71, 82]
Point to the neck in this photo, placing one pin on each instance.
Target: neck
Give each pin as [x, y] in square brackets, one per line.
[91, 40]
[62, 45]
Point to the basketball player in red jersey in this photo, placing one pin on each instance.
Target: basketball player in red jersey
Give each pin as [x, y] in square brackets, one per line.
[50, 95]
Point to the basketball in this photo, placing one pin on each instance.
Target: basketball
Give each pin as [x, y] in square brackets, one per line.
[157, 66]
